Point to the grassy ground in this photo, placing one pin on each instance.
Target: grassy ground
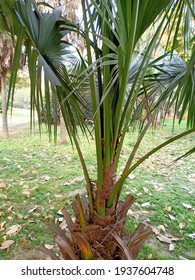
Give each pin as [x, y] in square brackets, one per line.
[37, 178]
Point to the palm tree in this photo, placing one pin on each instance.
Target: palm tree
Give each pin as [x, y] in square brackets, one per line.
[111, 29]
[6, 56]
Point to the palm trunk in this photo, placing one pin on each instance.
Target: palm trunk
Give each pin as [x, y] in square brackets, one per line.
[4, 107]
[63, 139]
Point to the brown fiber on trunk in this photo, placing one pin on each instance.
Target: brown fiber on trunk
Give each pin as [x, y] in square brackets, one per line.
[100, 237]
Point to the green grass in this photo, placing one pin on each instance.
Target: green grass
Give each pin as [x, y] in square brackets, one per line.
[38, 182]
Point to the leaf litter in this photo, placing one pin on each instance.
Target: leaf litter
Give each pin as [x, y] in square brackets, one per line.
[6, 244]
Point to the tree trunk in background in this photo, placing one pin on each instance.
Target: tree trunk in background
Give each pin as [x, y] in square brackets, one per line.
[63, 139]
[4, 107]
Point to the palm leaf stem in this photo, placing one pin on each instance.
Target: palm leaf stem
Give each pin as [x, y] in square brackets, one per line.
[97, 124]
[123, 83]
[125, 174]
[82, 161]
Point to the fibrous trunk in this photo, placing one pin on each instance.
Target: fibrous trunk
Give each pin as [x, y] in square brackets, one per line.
[98, 238]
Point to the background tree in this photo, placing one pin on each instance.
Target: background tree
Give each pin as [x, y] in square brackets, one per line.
[6, 57]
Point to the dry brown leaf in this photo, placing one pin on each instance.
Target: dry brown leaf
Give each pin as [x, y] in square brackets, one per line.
[63, 197]
[20, 216]
[26, 187]
[49, 247]
[188, 206]
[13, 229]
[171, 247]
[63, 225]
[184, 188]
[10, 218]
[133, 214]
[3, 196]
[171, 217]
[6, 244]
[145, 204]
[2, 185]
[27, 193]
[192, 235]
[48, 217]
[190, 192]
[168, 238]
[2, 225]
[45, 178]
[10, 208]
[76, 179]
[182, 225]
[33, 209]
[174, 237]
[161, 228]
[167, 208]
[146, 190]
[60, 213]
[163, 238]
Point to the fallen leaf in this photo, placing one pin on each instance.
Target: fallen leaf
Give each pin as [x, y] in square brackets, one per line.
[10, 208]
[26, 187]
[63, 225]
[6, 244]
[49, 247]
[20, 216]
[174, 237]
[145, 189]
[45, 178]
[145, 204]
[167, 208]
[36, 214]
[168, 238]
[63, 197]
[2, 185]
[184, 188]
[48, 217]
[33, 209]
[171, 217]
[171, 247]
[131, 176]
[2, 225]
[3, 196]
[191, 235]
[161, 228]
[13, 229]
[71, 182]
[182, 225]
[27, 193]
[10, 218]
[188, 206]
[163, 238]
[60, 213]
[133, 214]
[59, 220]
